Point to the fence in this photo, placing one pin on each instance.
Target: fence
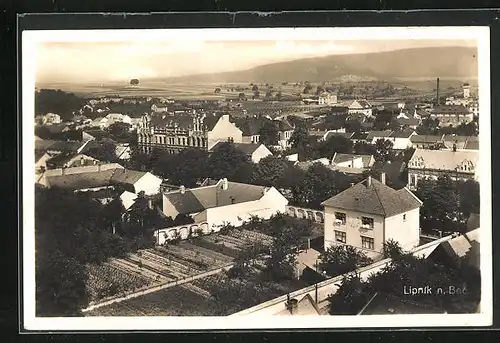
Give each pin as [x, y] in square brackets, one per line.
[147, 290]
[306, 213]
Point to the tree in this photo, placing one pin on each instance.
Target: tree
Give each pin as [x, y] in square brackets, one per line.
[353, 125]
[279, 96]
[349, 298]
[383, 119]
[269, 171]
[134, 82]
[57, 101]
[121, 131]
[60, 284]
[341, 259]
[307, 89]
[383, 150]
[255, 88]
[428, 126]
[300, 137]
[468, 197]
[242, 96]
[335, 144]
[440, 209]
[185, 168]
[104, 151]
[363, 148]
[392, 249]
[217, 90]
[269, 134]
[319, 184]
[283, 256]
[225, 160]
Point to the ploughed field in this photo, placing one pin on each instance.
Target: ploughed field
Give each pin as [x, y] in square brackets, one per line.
[199, 298]
[165, 264]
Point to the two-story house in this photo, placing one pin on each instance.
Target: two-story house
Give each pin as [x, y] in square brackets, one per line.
[427, 141]
[369, 214]
[451, 115]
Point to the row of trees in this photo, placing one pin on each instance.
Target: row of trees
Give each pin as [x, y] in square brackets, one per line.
[406, 270]
[430, 126]
[57, 101]
[447, 204]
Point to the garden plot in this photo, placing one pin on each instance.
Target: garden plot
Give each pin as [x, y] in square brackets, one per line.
[132, 267]
[209, 251]
[251, 236]
[106, 280]
[177, 262]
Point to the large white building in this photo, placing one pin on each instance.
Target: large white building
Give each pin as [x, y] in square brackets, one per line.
[370, 213]
[458, 164]
[212, 207]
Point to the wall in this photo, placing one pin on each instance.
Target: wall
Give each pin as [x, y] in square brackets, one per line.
[162, 235]
[271, 203]
[260, 153]
[406, 232]
[352, 228]
[354, 163]
[222, 130]
[149, 183]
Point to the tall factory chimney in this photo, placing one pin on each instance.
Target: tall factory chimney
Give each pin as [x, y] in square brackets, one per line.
[437, 92]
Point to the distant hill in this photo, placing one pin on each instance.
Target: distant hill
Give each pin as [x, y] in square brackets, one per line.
[444, 62]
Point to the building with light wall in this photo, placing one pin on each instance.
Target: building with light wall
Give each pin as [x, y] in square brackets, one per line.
[226, 202]
[175, 132]
[369, 214]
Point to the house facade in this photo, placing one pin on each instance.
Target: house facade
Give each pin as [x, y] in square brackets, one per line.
[361, 107]
[369, 214]
[459, 165]
[427, 141]
[177, 132]
[453, 115]
[327, 98]
[211, 207]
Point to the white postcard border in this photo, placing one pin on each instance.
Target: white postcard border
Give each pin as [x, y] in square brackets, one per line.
[31, 38]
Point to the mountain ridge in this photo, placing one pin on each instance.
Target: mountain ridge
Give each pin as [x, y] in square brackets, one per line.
[451, 62]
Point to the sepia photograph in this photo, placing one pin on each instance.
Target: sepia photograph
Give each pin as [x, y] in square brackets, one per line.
[296, 177]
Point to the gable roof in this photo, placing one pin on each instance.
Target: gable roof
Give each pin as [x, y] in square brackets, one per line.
[61, 146]
[127, 176]
[444, 159]
[61, 159]
[347, 135]
[426, 138]
[378, 134]
[402, 133]
[450, 109]
[246, 148]
[249, 126]
[81, 180]
[198, 199]
[373, 197]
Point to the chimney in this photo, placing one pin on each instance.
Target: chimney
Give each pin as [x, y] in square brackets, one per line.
[369, 181]
[293, 306]
[454, 147]
[63, 170]
[183, 189]
[382, 178]
[224, 184]
[437, 91]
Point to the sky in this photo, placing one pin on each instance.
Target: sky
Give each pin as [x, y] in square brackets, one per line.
[121, 61]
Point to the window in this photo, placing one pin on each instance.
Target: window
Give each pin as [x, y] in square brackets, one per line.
[367, 243]
[404, 217]
[340, 236]
[366, 223]
[340, 218]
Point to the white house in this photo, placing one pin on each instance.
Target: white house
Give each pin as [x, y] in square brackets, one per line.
[255, 152]
[118, 117]
[459, 165]
[137, 181]
[226, 202]
[369, 214]
[360, 106]
[352, 161]
[401, 140]
[51, 118]
[327, 98]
